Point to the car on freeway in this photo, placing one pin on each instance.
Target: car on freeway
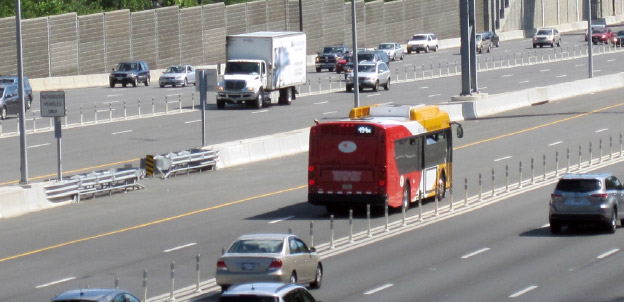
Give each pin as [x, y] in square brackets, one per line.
[492, 37]
[392, 50]
[482, 44]
[9, 100]
[329, 56]
[266, 292]
[603, 36]
[179, 75]
[546, 36]
[132, 72]
[594, 27]
[586, 198]
[424, 42]
[96, 295]
[269, 258]
[371, 75]
[619, 38]
[341, 65]
[28, 92]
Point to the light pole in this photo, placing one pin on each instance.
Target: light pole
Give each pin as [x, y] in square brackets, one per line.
[20, 81]
[356, 81]
[590, 51]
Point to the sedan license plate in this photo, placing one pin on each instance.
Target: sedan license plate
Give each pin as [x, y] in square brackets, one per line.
[347, 186]
[577, 202]
[248, 266]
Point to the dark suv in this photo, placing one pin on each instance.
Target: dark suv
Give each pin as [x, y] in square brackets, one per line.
[133, 72]
[12, 79]
[328, 58]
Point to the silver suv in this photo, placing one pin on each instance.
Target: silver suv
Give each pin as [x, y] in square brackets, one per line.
[370, 74]
[582, 198]
[547, 36]
[266, 292]
[423, 42]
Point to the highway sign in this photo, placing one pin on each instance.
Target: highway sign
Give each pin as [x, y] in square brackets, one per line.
[52, 103]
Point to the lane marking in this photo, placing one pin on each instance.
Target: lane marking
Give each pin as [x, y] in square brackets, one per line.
[179, 247]
[545, 226]
[607, 254]
[325, 102]
[602, 130]
[598, 70]
[611, 60]
[121, 132]
[527, 81]
[579, 65]
[376, 94]
[555, 143]
[37, 146]
[524, 291]
[111, 102]
[544, 70]
[195, 121]
[562, 76]
[483, 87]
[503, 158]
[424, 87]
[55, 282]
[485, 249]
[106, 110]
[329, 112]
[507, 75]
[260, 111]
[281, 219]
[113, 95]
[434, 95]
[174, 95]
[378, 289]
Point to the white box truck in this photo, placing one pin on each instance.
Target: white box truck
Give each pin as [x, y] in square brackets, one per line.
[262, 67]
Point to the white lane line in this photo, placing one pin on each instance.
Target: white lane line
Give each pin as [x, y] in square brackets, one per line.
[324, 113]
[281, 219]
[55, 282]
[171, 89]
[602, 130]
[113, 95]
[36, 146]
[483, 87]
[195, 121]
[378, 289]
[524, 291]
[561, 76]
[260, 111]
[434, 95]
[407, 64]
[544, 70]
[384, 104]
[173, 95]
[424, 87]
[555, 143]
[523, 82]
[579, 65]
[111, 102]
[607, 254]
[35, 111]
[610, 60]
[503, 158]
[545, 226]
[376, 94]
[106, 110]
[325, 102]
[598, 70]
[179, 247]
[121, 132]
[475, 253]
[507, 75]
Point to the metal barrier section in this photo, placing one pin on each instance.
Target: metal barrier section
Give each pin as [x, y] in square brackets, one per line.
[184, 161]
[94, 183]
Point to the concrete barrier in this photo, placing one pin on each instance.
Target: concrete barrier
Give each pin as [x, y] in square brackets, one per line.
[18, 200]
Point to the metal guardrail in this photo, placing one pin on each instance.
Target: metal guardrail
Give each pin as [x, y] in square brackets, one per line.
[184, 161]
[91, 184]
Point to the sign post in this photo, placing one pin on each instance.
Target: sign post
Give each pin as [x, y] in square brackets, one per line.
[207, 79]
[53, 105]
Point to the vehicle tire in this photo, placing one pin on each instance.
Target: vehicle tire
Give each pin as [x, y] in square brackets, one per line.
[387, 85]
[612, 224]
[224, 287]
[318, 69]
[406, 195]
[489, 48]
[559, 43]
[427, 49]
[220, 104]
[331, 70]
[555, 227]
[259, 100]
[111, 84]
[285, 96]
[409, 51]
[29, 102]
[418, 51]
[394, 57]
[361, 88]
[376, 87]
[293, 278]
[479, 51]
[173, 85]
[541, 46]
[497, 43]
[318, 278]
[3, 113]
[552, 45]
[402, 55]
[441, 190]
[436, 49]
[534, 45]
[147, 81]
[134, 82]
[185, 83]
[349, 88]
[123, 84]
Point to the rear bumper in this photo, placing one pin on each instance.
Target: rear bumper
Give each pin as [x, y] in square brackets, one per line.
[229, 278]
[579, 217]
[347, 199]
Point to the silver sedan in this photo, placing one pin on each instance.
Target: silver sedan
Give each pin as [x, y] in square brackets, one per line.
[269, 258]
[179, 75]
[393, 50]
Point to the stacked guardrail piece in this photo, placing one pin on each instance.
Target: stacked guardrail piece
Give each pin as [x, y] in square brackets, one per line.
[94, 183]
[183, 161]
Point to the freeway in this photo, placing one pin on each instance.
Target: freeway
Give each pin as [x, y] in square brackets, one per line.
[511, 252]
[101, 145]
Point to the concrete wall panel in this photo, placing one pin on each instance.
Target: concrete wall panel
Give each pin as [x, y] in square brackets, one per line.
[393, 16]
[117, 31]
[375, 32]
[35, 48]
[414, 23]
[91, 44]
[256, 16]
[276, 11]
[313, 24]
[191, 46]
[236, 15]
[168, 32]
[8, 48]
[144, 39]
[63, 45]
[214, 33]
[333, 22]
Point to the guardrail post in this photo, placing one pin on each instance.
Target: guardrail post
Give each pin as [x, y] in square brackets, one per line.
[125, 111]
[448, 69]
[420, 208]
[544, 161]
[580, 158]
[405, 72]
[480, 187]
[81, 117]
[600, 150]
[34, 123]
[309, 86]
[455, 66]
[568, 160]
[386, 229]
[466, 191]
[368, 221]
[493, 184]
[507, 60]
[0, 128]
[436, 199]
[590, 154]
[166, 105]
[532, 170]
[110, 111]
[320, 88]
[486, 64]
[403, 214]
[515, 60]
[451, 204]
[197, 267]
[172, 274]
[351, 226]
[396, 71]
[179, 102]
[431, 70]
[506, 178]
[139, 105]
[423, 71]
[144, 285]
[95, 113]
[331, 228]
[415, 77]
[439, 69]
[66, 114]
[556, 163]
[116, 281]
[520, 174]
[620, 144]
[311, 233]
[610, 147]
[152, 105]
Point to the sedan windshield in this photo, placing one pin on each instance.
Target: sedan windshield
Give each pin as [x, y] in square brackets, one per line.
[332, 49]
[419, 38]
[175, 69]
[544, 32]
[599, 30]
[366, 68]
[366, 57]
[257, 246]
[127, 66]
[386, 46]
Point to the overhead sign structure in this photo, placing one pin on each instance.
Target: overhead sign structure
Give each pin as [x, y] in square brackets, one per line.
[52, 103]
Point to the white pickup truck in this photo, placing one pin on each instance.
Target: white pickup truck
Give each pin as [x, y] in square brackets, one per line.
[262, 67]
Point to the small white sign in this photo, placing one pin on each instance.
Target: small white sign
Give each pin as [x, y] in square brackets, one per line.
[52, 103]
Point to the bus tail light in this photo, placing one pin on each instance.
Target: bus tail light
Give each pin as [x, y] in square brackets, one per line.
[311, 175]
[311, 182]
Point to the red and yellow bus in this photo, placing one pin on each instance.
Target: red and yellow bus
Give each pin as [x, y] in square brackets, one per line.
[388, 153]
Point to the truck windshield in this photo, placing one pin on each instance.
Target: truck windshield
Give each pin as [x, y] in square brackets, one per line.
[242, 68]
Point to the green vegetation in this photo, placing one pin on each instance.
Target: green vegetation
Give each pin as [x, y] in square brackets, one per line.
[42, 8]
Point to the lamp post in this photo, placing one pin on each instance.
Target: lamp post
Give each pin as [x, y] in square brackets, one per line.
[20, 81]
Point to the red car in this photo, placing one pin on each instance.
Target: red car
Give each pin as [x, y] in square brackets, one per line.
[603, 36]
[341, 64]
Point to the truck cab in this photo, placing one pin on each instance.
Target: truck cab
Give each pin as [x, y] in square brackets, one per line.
[243, 82]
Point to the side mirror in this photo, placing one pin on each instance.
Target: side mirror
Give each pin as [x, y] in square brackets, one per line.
[113, 68]
[312, 250]
[460, 131]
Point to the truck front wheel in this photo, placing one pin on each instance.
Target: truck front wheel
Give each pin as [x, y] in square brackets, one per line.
[285, 96]
[220, 104]
[259, 99]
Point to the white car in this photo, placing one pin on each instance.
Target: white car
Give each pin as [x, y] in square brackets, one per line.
[423, 42]
[371, 75]
[393, 50]
[178, 75]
